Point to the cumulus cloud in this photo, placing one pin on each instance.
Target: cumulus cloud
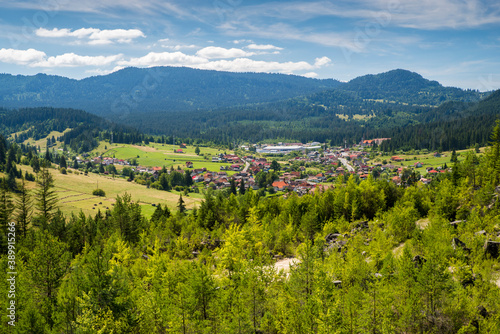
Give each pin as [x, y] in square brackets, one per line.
[320, 62]
[234, 65]
[263, 47]
[164, 59]
[21, 57]
[215, 52]
[209, 58]
[93, 36]
[179, 47]
[310, 75]
[74, 60]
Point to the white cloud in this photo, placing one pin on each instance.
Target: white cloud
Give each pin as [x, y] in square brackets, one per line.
[320, 62]
[164, 59]
[263, 47]
[93, 36]
[239, 41]
[99, 71]
[21, 57]
[233, 65]
[250, 65]
[215, 52]
[74, 60]
[179, 47]
[310, 75]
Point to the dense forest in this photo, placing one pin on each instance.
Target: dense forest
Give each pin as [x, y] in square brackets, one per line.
[84, 130]
[370, 256]
[452, 125]
[136, 90]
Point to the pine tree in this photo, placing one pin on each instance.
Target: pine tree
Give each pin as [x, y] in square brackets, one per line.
[454, 157]
[6, 209]
[46, 198]
[233, 187]
[62, 162]
[24, 208]
[242, 187]
[180, 205]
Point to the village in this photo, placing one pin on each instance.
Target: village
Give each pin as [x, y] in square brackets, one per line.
[292, 167]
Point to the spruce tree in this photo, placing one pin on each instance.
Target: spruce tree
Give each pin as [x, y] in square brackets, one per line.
[24, 208]
[242, 187]
[46, 198]
[62, 162]
[233, 186]
[6, 209]
[180, 205]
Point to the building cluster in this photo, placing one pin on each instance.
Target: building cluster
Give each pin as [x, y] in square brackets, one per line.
[328, 164]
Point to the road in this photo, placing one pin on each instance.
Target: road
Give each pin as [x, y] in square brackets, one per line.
[346, 164]
[247, 164]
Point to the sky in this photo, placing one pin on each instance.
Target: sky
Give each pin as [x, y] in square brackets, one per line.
[456, 42]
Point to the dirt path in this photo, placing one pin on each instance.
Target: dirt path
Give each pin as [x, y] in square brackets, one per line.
[285, 264]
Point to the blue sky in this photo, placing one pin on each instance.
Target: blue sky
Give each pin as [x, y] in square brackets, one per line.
[456, 42]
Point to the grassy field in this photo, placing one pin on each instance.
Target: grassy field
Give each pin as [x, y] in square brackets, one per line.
[163, 155]
[75, 193]
[427, 160]
[43, 142]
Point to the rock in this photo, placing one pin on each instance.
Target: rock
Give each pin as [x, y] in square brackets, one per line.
[492, 248]
[362, 225]
[332, 237]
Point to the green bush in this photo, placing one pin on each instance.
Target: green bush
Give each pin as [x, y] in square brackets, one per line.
[99, 192]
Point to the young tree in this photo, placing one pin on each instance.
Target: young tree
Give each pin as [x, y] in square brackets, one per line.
[197, 150]
[48, 263]
[46, 198]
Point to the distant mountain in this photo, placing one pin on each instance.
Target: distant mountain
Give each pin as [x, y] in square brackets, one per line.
[155, 89]
[395, 87]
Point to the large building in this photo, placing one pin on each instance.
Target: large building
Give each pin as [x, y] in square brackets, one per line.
[285, 149]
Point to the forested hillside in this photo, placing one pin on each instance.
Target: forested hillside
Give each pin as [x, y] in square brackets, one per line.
[85, 129]
[369, 257]
[134, 90]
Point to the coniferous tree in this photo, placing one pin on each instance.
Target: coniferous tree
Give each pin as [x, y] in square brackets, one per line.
[242, 187]
[180, 205]
[62, 162]
[24, 208]
[46, 198]
[233, 186]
